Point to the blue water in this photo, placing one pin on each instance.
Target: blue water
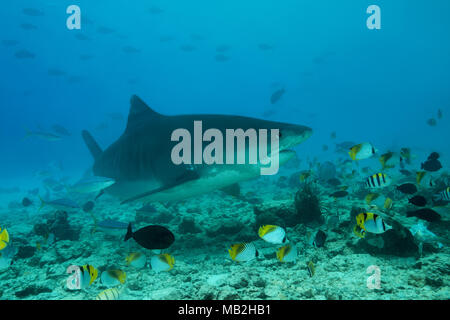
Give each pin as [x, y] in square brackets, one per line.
[379, 86]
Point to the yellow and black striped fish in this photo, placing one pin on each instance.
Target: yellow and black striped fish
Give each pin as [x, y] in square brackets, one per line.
[88, 275]
[109, 294]
[379, 180]
[311, 268]
[242, 252]
[443, 196]
[4, 238]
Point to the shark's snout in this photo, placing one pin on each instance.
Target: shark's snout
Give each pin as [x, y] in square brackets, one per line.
[293, 135]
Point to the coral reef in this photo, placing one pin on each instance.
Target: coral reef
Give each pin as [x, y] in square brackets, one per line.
[307, 205]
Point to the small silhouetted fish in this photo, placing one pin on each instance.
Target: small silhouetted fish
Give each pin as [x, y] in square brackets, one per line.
[112, 224]
[166, 38]
[82, 37]
[433, 156]
[407, 188]
[60, 204]
[432, 122]
[155, 10]
[187, 48]
[10, 43]
[24, 54]
[431, 165]
[130, 49]
[26, 202]
[48, 136]
[223, 48]
[56, 72]
[265, 47]
[105, 30]
[319, 239]
[276, 96]
[405, 172]
[439, 114]
[85, 57]
[151, 237]
[88, 206]
[419, 201]
[325, 147]
[339, 194]
[333, 135]
[425, 214]
[33, 12]
[28, 26]
[221, 58]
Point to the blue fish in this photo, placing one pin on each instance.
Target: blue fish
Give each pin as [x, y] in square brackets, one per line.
[112, 224]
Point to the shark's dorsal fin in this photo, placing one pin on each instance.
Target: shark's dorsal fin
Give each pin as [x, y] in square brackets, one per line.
[138, 109]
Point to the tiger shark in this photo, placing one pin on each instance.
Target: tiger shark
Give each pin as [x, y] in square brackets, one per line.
[141, 160]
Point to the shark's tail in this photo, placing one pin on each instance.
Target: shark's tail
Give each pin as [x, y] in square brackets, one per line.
[92, 145]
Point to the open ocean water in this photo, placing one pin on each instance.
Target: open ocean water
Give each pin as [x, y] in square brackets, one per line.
[122, 125]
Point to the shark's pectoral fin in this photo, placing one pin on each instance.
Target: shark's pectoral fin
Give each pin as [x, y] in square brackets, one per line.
[99, 194]
[188, 175]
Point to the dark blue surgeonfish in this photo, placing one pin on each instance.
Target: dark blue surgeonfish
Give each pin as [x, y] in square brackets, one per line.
[26, 202]
[432, 164]
[419, 201]
[151, 237]
[407, 188]
[425, 214]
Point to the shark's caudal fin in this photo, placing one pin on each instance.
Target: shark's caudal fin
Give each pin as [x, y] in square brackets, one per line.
[92, 145]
